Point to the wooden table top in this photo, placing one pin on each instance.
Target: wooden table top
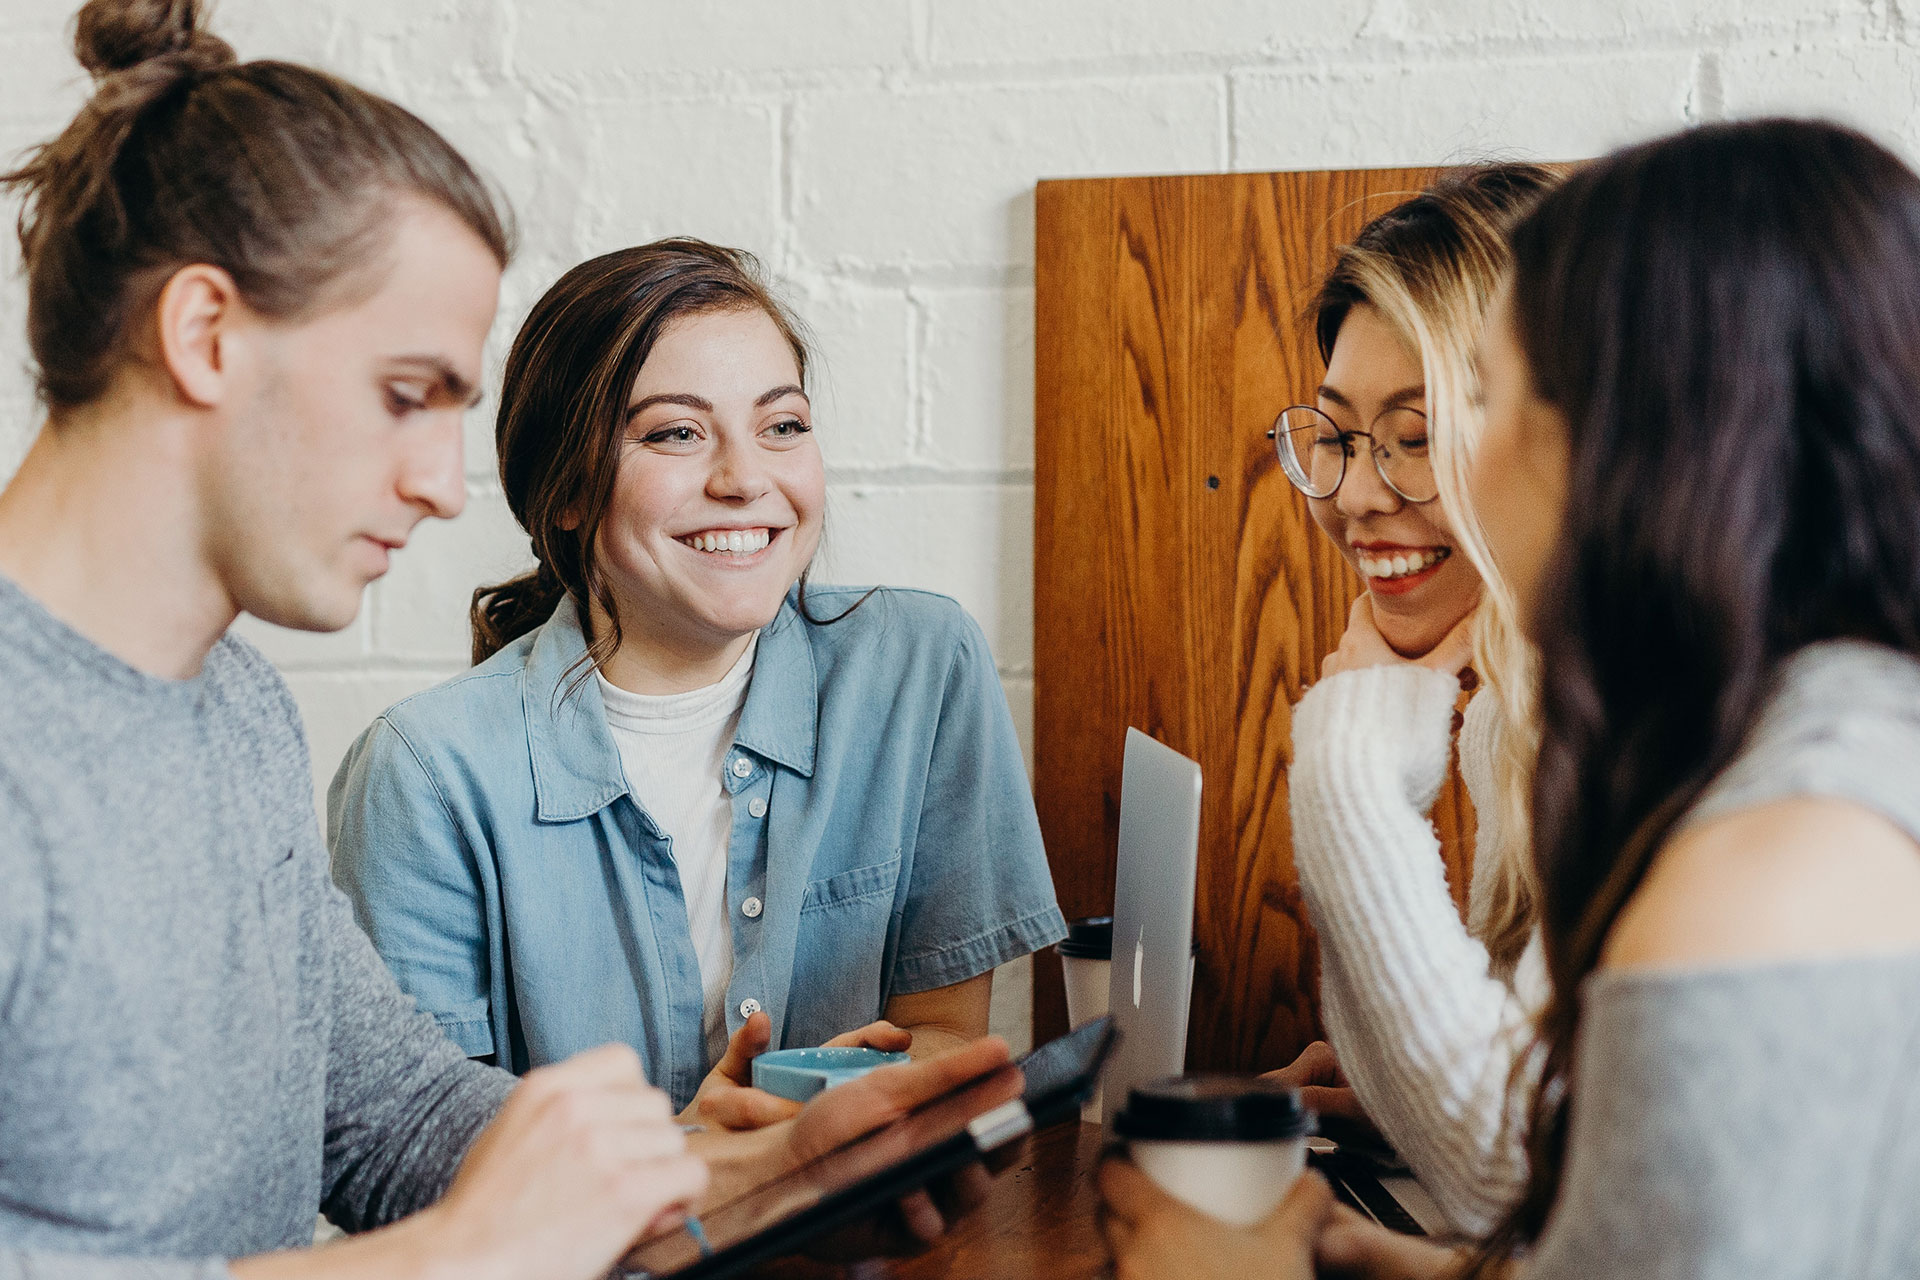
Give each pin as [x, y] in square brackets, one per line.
[1037, 1224]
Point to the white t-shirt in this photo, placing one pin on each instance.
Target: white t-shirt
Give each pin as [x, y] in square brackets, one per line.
[673, 748]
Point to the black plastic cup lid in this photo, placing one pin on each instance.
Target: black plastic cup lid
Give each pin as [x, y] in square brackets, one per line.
[1091, 938]
[1214, 1108]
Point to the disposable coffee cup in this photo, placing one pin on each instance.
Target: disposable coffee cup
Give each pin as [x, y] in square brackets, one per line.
[1086, 961]
[1230, 1146]
[1085, 956]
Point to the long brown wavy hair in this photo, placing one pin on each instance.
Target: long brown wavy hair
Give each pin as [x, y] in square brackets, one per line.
[563, 408]
[1726, 319]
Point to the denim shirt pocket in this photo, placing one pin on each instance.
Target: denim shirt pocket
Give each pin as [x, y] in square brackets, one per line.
[839, 963]
[849, 888]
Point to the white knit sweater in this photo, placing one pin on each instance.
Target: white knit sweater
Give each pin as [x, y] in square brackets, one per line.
[1423, 1029]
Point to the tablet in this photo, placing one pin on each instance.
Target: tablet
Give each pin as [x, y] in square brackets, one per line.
[935, 1139]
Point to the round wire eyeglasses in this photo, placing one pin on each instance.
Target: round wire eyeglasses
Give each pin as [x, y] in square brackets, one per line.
[1314, 449]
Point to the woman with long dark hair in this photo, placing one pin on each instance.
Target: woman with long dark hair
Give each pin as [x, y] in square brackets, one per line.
[1702, 474]
[686, 800]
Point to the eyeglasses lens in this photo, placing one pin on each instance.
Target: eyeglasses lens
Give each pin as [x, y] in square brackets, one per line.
[1311, 451]
[1400, 447]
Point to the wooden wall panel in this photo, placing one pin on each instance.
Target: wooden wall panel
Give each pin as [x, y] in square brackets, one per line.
[1180, 584]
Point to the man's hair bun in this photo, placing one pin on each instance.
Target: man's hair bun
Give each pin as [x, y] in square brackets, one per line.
[111, 36]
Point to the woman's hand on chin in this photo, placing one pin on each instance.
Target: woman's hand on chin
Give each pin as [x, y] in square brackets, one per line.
[1152, 1236]
[1364, 646]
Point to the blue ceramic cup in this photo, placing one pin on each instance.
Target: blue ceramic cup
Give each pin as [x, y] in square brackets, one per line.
[800, 1073]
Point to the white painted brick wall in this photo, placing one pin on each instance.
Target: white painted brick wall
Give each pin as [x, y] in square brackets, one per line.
[881, 155]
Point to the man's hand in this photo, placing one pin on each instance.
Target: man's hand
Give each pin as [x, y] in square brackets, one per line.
[727, 1098]
[1323, 1086]
[1152, 1236]
[582, 1160]
[1364, 646]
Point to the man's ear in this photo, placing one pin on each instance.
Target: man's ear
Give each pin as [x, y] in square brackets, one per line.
[196, 313]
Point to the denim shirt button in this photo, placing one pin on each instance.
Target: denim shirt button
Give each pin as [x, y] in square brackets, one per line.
[751, 908]
[742, 766]
[757, 807]
[749, 1007]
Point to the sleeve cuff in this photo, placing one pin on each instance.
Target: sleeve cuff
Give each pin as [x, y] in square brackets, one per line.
[979, 954]
[470, 1028]
[1375, 725]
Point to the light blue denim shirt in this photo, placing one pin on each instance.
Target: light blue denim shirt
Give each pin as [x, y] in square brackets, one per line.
[882, 821]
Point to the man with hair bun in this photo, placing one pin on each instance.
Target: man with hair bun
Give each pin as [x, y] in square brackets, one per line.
[257, 298]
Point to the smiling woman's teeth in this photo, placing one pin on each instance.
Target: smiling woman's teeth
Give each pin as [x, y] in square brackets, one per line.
[737, 542]
[1400, 564]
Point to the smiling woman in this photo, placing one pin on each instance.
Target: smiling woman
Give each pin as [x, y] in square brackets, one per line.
[1382, 512]
[671, 805]
[1428, 1018]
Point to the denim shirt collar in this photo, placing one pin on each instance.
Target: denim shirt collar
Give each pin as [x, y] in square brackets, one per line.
[576, 766]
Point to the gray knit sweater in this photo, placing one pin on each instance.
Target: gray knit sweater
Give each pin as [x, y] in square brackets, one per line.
[1761, 1122]
[198, 1047]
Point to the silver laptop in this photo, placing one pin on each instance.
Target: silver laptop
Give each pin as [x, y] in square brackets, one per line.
[1152, 974]
[1151, 979]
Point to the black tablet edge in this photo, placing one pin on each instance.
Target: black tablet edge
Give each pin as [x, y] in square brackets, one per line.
[789, 1235]
[845, 1206]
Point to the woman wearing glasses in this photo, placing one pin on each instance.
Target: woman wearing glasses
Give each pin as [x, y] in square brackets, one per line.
[1426, 1017]
[1701, 472]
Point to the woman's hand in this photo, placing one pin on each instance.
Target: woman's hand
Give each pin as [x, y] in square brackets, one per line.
[1364, 646]
[1154, 1237]
[581, 1161]
[1354, 1248]
[727, 1098]
[858, 1107]
[1323, 1086]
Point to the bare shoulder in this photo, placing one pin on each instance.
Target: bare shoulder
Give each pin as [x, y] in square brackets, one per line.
[1804, 877]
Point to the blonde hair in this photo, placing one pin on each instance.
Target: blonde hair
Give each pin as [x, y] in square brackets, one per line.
[1432, 267]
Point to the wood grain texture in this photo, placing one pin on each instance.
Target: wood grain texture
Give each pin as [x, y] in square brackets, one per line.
[1038, 1222]
[1180, 584]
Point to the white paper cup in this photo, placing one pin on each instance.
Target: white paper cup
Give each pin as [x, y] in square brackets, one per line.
[1086, 959]
[1236, 1182]
[1086, 988]
[1229, 1146]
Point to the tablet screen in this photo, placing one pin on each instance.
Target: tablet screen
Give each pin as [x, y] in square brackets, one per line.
[934, 1139]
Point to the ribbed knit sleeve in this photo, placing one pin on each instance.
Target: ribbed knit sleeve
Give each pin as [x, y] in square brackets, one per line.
[1423, 1029]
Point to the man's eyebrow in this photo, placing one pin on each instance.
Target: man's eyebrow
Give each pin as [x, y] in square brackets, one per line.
[779, 393]
[451, 380]
[681, 398]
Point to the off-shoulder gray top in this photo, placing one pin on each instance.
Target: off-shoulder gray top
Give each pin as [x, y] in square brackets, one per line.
[1761, 1121]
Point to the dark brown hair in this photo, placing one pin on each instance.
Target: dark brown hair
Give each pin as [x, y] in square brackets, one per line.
[280, 175]
[563, 415]
[1725, 318]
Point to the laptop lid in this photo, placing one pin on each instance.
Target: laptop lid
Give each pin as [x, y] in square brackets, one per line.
[1151, 975]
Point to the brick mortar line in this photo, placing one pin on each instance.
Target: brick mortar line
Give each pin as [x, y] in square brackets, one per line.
[924, 476]
[734, 88]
